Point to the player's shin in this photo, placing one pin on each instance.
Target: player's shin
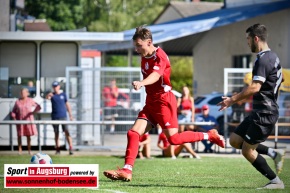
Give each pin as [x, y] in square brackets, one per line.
[185, 137]
[261, 165]
[132, 149]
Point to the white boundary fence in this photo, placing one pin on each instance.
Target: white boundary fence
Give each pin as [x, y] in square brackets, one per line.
[41, 122]
[229, 84]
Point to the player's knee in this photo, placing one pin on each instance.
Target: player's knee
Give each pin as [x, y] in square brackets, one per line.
[132, 133]
[247, 153]
[175, 139]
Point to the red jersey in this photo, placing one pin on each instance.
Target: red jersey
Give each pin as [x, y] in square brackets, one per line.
[109, 99]
[158, 62]
[162, 137]
[185, 104]
[144, 137]
[160, 107]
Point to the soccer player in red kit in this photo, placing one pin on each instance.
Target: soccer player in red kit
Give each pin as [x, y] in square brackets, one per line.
[160, 105]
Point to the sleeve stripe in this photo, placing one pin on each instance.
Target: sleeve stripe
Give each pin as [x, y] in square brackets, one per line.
[260, 78]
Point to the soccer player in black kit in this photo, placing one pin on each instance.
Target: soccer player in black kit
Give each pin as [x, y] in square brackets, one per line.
[267, 77]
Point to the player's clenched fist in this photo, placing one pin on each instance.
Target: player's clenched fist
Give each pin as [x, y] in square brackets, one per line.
[137, 85]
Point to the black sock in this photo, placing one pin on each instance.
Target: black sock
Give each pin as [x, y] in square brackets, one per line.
[262, 149]
[261, 165]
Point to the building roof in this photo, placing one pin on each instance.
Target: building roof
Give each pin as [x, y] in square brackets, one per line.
[178, 37]
[83, 37]
[186, 9]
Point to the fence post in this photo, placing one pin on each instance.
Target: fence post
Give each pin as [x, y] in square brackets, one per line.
[38, 137]
[11, 137]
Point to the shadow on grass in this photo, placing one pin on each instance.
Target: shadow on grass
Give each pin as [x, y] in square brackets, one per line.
[170, 186]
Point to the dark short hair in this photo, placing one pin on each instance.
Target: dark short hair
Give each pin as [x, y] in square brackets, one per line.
[142, 33]
[258, 30]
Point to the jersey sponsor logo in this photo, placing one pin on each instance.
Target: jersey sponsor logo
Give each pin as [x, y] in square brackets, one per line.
[156, 68]
[167, 124]
[146, 66]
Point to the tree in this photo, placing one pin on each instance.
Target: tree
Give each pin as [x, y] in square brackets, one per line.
[181, 72]
[120, 15]
[60, 15]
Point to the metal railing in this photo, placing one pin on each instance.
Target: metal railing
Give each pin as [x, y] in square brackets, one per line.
[50, 122]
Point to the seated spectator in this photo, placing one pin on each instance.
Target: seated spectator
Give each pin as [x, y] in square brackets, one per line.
[31, 88]
[144, 146]
[110, 95]
[206, 117]
[174, 150]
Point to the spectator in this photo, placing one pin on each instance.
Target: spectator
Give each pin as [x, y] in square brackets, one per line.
[22, 110]
[31, 88]
[185, 106]
[144, 146]
[109, 96]
[206, 117]
[60, 105]
[174, 150]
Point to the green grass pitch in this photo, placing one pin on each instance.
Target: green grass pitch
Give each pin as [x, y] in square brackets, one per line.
[184, 175]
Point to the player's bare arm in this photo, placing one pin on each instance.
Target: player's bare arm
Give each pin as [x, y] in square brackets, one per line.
[246, 93]
[151, 79]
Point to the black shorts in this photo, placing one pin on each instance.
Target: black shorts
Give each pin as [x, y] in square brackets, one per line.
[56, 127]
[256, 127]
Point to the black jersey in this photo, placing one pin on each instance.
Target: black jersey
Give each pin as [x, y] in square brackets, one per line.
[267, 69]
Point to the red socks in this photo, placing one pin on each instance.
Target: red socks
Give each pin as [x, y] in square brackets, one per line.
[176, 139]
[185, 137]
[132, 147]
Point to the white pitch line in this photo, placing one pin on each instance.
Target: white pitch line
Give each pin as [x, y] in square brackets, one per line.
[107, 190]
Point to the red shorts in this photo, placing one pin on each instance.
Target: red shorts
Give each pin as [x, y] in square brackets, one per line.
[162, 111]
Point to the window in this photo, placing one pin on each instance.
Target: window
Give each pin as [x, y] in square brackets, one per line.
[17, 68]
[242, 61]
[215, 100]
[198, 100]
[55, 57]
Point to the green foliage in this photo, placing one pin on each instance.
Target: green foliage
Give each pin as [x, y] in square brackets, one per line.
[181, 74]
[121, 61]
[110, 16]
[120, 15]
[60, 15]
[96, 15]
